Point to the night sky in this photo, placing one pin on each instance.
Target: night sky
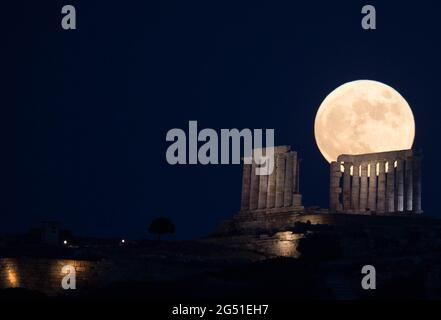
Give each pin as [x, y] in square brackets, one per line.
[85, 112]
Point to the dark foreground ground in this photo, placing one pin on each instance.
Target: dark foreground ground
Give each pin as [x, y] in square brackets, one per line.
[284, 279]
[306, 261]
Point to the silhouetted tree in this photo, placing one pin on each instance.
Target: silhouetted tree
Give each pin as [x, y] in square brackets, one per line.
[160, 226]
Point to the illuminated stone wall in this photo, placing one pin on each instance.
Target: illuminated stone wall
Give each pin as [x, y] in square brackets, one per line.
[264, 246]
[158, 262]
[45, 275]
[257, 222]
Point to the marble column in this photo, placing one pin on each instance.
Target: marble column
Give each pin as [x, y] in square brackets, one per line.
[334, 187]
[271, 198]
[355, 192]
[254, 187]
[297, 189]
[399, 195]
[246, 180]
[390, 187]
[263, 191]
[416, 193]
[408, 183]
[372, 196]
[280, 179]
[347, 186]
[294, 172]
[381, 196]
[363, 187]
[287, 197]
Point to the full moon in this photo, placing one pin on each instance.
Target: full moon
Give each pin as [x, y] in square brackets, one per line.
[363, 116]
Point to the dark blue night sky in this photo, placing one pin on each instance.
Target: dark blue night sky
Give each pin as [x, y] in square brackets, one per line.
[85, 112]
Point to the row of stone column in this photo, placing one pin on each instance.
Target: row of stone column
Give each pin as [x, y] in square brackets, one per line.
[366, 186]
[271, 191]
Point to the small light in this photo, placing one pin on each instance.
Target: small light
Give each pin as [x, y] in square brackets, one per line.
[65, 241]
[123, 241]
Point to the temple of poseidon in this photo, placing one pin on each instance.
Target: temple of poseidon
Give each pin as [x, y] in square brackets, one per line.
[381, 184]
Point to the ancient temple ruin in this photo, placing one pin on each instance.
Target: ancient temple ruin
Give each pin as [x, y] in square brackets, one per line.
[269, 202]
[384, 182]
[276, 192]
